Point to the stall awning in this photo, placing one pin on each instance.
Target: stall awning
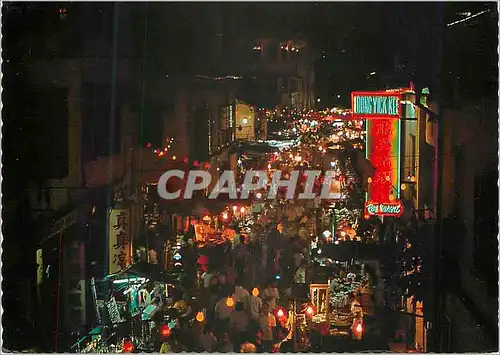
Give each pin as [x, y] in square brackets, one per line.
[147, 271]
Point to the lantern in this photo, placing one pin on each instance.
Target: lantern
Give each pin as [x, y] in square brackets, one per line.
[165, 331]
[230, 302]
[255, 292]
[128, 346]
[200, 317]
[310, 311]
[280, 313]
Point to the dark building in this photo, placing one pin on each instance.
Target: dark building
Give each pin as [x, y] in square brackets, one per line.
[469, 111]
[70, 80]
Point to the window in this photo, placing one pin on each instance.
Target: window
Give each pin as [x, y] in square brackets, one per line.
[411, 154]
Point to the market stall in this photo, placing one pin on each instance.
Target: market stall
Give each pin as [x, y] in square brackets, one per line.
[131, 307]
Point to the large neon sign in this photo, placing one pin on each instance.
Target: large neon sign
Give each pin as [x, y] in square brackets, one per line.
[376, 104]
[383, 135]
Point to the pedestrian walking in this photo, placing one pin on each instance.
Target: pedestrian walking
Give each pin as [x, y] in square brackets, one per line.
[238, 325]
[223, 310]
[267, 323]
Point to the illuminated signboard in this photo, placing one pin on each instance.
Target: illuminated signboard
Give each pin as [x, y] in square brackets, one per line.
[119, 240]
[384, 209]
[383, 144]
[376, 104]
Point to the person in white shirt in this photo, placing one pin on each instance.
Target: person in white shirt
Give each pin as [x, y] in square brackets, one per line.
[206, 277]
[240, 294]
[223, 310]
[254, 304]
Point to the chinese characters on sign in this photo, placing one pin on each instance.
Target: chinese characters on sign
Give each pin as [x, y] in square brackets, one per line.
[382, 113]
[381, 133]
[119, 240]
[75, 311]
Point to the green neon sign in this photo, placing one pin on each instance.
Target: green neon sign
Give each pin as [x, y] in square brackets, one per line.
[376, 105]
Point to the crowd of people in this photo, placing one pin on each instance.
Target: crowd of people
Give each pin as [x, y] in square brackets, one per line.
[237, 284]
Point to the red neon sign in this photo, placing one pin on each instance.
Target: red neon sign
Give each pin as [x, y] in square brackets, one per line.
[382, 111]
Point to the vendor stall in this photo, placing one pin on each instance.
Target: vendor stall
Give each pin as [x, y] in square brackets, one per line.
[131, 306]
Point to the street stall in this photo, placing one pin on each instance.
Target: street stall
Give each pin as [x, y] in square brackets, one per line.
[336, 298]
[132, 307]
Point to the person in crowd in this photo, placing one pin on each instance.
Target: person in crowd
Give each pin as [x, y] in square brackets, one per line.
[240, 293]
[202, 262]
[189, 255]
[231, 274]
[238, 325]
[304, 233]
[152, 256]
[225, 345]
[207, 340]
[223, 310]
[224, 287]
[300, 274]
[212, 296]
[236, 237]
[271, 294]
[267, 322]
[297, 259]
[254, 304]
[248, 348]
[206, 278]
[240, 253]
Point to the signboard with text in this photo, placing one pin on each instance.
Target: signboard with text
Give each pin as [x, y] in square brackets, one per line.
[75, 286]
[382, 112]
[120, 255]
[376, 104]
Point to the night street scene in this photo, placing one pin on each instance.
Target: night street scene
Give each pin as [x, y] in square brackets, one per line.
[250, 177]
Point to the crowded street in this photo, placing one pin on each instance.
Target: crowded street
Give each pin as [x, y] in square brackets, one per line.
[249, 177]
[274, 275]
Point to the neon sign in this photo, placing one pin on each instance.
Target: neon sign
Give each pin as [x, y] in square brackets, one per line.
[382, 111]
[384, 209]
[376, 104]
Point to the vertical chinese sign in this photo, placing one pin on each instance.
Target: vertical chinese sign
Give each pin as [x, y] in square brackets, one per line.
[119, 240]
[382, 112]
[75, 287]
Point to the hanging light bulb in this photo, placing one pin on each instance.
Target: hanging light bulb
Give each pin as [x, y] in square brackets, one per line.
[255, 291]
[200, 317]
